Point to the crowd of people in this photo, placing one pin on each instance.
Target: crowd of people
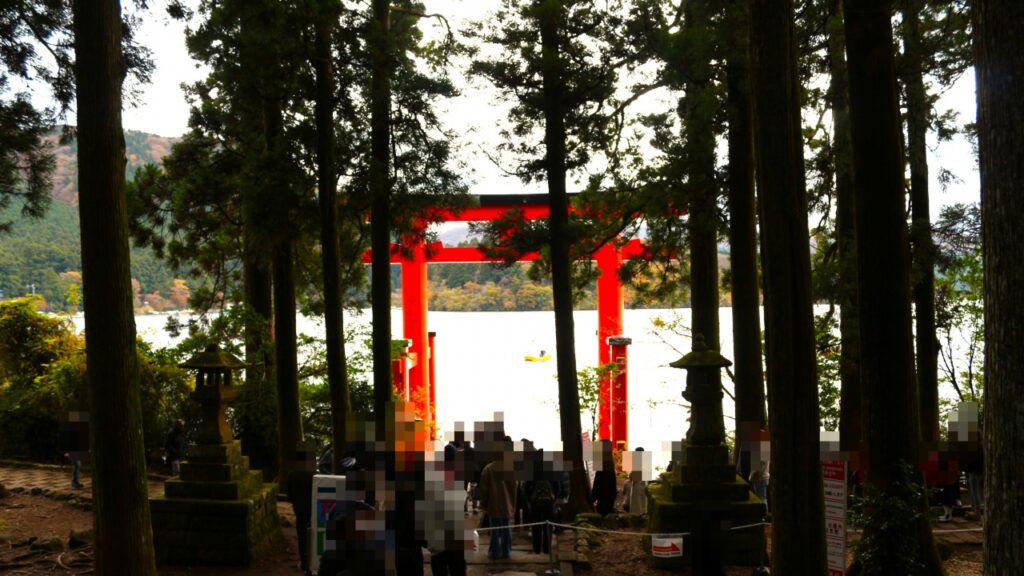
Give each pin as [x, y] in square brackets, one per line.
[423, 494]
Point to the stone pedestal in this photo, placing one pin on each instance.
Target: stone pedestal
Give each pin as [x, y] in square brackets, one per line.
[706, 498]
[217, 512]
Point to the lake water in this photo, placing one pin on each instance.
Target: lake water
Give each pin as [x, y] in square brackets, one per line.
[480, 369]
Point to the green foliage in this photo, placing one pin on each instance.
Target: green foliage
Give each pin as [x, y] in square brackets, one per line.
[827, 354]
[589, 381]
[959, 295]
[29, 342]
[42, 379]
[32, 34]
[315, 400]
[36, 256]
[889, 519]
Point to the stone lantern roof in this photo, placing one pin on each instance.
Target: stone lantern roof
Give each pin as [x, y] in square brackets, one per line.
[701, 356]
[213, 357]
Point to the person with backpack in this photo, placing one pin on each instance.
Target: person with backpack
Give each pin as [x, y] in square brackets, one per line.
[540, 493]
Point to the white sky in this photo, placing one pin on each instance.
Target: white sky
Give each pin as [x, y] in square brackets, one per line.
[474, 115]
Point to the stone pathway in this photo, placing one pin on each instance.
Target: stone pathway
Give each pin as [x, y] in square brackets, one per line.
[57, 479]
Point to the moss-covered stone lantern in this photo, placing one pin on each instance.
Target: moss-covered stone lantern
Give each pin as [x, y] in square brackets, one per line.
[704, 392]
[213, 392]
[218, 511]
[703, 497]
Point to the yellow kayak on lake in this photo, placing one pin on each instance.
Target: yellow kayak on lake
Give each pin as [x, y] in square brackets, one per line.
[542, 357]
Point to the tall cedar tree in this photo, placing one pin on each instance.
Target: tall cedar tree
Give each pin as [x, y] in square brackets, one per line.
[228, 142]
[746, 305]
[890, 408]
[849, 309]
[550, 17]
[699, 106]
[1000, 80]
[380, 198]
[798, 543]
[327, 184]
[279, 193]
[562, 86]
[124, 538]
[923, 249]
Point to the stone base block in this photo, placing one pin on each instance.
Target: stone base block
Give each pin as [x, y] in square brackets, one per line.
[214, 532]
[247, 484]
[718, 516]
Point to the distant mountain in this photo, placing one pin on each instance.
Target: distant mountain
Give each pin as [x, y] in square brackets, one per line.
[140, 148]
[43, 256]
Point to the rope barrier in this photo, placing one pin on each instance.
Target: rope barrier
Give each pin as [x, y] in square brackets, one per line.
[606, 531]
[668, 534]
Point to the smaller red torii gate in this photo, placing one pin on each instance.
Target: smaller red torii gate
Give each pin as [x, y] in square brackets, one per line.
[413, 367]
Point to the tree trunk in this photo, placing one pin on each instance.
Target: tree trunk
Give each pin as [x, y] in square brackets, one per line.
[380, 193]
[279, 194]
[257, 441]
[922, 257]
[798, 541]
[889, 401]
[1000, 60]
[849, 309]
[124, 538]
[337, 377]
[551, 24]
[699, 150]
[289, 425]
[259, 357]
[746, 306]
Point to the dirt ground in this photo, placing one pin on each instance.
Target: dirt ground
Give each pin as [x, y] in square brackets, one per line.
[618, 555]
[26, 521]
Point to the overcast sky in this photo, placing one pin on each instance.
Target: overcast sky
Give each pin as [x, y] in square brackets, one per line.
[472, 115]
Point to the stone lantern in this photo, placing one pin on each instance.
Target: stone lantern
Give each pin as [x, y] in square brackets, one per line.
[703, 496]
[704, 392]
[218, 511]
[213, 392]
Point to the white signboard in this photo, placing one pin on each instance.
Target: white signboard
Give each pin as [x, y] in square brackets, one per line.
[834, 476]
[325, 490]
[666, 546]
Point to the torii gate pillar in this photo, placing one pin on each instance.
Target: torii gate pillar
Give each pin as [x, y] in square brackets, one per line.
[613, 413]
[414, 329]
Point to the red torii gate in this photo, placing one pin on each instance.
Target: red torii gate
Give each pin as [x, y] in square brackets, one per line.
[416, 383]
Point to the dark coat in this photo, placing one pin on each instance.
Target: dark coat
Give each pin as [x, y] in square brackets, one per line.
[604, 491]
[175, 445]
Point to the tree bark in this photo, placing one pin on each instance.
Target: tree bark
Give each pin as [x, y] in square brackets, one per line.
[258, 276]
[289, 425]
[699, 108]
[889, 399]
[923, 249]
[849, 307]
[1000, 81]
[380, 194]
[279, 193]
[798, 541]
[699, 149]
[123, 535]
[337, 377]
[746, 306]
[551, 25]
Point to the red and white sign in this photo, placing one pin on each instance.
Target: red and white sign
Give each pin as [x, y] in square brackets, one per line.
[666, 547]
[834, 477]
